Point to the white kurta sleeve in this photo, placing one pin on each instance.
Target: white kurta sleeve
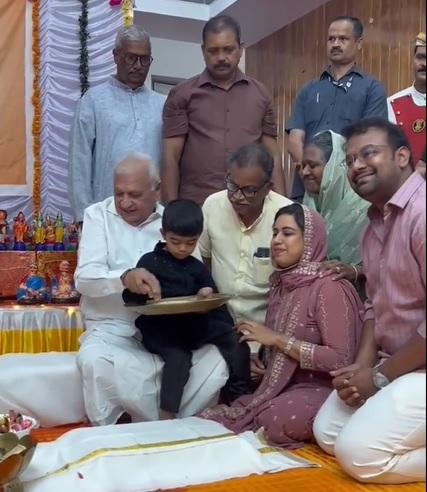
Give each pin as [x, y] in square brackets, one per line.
[81, 156]
[93, 276]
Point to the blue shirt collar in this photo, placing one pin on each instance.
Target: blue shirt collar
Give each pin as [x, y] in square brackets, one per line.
[354, 70]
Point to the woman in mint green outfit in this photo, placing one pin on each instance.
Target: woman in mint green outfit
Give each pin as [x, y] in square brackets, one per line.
[327, 190]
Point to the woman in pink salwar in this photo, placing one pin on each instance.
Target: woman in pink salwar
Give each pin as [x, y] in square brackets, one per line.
[312, 327]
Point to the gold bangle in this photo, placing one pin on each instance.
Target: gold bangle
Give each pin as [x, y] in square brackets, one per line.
[306, 355]
[356, 271]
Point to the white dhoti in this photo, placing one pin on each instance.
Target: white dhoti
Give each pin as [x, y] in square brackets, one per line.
[150, 456]
[384, 441]
[120, 375]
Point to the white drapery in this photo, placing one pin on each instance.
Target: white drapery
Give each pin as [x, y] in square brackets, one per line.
[60, 90]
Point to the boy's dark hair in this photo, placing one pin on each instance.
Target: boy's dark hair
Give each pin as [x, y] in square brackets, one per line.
[222, 23]
[183, 217]
[357, 24]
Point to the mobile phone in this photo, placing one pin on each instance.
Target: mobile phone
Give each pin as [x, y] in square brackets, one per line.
[262, 253]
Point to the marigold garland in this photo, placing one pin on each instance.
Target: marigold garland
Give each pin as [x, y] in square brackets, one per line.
[36, 101]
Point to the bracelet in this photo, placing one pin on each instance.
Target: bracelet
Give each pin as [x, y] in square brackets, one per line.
[289, 345]
[356, 271]
[306, 355]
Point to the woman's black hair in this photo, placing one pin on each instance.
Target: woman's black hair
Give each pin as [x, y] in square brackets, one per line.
[297, 213]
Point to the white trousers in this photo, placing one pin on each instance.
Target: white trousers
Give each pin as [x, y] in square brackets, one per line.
[120, 375]
[384, 441]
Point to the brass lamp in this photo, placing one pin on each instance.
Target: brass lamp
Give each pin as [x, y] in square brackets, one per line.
[15, 456]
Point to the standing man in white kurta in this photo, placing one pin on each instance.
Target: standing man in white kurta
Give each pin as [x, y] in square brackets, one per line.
[119, 375]
[115, 118]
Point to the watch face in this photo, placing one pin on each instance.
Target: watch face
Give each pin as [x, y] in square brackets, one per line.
[380, 381]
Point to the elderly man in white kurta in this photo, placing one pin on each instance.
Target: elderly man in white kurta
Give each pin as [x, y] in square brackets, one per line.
[119, 375]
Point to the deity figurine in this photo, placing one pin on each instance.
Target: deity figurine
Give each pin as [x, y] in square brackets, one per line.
[50, 236]
[62, 285]
[32, 289]
[3, 230]
[39, 232]
[19, 229]
[59, 232]
[73, 236]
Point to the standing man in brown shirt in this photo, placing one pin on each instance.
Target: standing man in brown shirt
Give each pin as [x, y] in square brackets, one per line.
[211, 115]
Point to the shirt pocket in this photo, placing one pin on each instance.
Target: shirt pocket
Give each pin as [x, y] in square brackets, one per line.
[262, 269]
[314, 108]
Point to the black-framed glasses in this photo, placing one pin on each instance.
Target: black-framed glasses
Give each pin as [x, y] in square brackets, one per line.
[248, 192]
[365, 155]
[130, 59]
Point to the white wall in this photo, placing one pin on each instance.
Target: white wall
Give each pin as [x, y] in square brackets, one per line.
[177, 59]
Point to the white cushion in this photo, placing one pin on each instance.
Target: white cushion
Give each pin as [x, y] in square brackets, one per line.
[45, 386]
[48, 386]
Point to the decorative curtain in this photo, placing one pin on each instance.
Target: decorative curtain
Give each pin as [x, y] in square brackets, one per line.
[60, 46]
[59, 87]
[15, 104]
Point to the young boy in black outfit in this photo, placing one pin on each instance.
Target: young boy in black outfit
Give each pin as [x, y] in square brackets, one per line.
[174, 337]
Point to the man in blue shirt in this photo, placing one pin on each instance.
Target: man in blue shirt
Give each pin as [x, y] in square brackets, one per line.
[342, 95]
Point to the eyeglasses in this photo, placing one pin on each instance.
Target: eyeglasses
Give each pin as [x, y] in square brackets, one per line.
[130, 59]
[365, 155]
[248, 193]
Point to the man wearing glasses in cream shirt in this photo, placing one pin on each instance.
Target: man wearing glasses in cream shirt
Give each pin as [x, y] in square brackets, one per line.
[114, 119]
[237, 232]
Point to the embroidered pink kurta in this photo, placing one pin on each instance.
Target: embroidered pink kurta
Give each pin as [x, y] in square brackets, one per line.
[326, 315]
[394, 260]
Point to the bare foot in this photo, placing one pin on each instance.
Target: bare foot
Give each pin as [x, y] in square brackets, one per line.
[165, 415]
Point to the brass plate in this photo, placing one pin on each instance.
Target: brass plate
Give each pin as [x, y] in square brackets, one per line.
[181, 305]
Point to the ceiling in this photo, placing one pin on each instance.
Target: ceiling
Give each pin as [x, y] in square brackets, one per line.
[183, 20]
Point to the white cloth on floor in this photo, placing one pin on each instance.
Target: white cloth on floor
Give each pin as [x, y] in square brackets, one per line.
[119, 375]
[150, 456]
[384, 441]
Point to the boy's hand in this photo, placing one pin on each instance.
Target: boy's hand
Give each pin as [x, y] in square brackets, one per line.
[258, 368]
[205, 292]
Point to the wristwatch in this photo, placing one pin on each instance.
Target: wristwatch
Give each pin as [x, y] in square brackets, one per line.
[380, 381]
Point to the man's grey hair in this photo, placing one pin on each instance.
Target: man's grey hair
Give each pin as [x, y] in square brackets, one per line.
[131, 33]
[143, 158]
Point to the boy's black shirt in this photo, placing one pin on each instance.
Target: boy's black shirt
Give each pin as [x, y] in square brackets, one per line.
[177, 278]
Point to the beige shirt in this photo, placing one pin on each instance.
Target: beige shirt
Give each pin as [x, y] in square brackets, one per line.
[231, 247]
